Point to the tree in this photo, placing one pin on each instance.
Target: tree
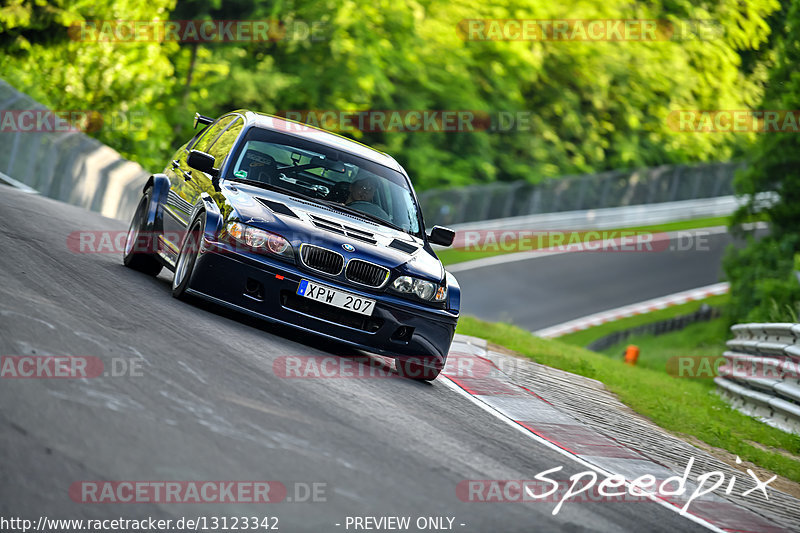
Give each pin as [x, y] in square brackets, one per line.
[127, 83]
[764, 286]
[587, 106]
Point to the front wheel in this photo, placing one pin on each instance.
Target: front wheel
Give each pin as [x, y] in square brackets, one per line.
[413, 368]
[139, 246]
[187, 259]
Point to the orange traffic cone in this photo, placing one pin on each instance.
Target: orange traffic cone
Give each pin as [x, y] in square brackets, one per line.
[631, 354]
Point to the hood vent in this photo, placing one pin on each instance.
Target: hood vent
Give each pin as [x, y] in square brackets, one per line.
[277, 207]
[348, 231]
[403, 246]
[332, 210]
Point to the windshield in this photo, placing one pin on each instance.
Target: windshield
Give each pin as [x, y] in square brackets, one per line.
[340, 179]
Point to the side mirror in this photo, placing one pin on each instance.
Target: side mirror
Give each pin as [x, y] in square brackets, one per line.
[201, 119]
[202, 161]
[442, 236]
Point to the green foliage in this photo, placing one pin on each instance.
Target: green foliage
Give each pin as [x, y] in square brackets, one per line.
[764, 286]
[592, 105]
[128, 84]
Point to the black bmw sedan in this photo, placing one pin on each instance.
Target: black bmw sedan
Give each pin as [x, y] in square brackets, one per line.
[297, 225]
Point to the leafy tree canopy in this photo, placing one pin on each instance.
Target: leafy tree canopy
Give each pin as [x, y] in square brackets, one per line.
[588, 106]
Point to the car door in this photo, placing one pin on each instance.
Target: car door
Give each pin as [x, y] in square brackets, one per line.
[186, 184]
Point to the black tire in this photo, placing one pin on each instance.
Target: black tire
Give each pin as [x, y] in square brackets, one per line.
[139, 253]
[413, 368]
[187, 258]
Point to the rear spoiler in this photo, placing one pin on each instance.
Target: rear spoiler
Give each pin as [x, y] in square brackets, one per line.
[202, 119]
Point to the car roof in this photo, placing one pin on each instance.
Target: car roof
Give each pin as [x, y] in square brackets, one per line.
[320, 136]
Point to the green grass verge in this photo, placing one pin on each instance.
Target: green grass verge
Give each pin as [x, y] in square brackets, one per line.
[586, 336]
[457, 255]
[682, 406]
[699, 339]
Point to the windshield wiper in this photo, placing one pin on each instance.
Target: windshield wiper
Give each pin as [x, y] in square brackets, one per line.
[368, 216]
[251, 182]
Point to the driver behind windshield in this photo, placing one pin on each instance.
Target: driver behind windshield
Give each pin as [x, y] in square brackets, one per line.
[362, 198]
[361, 190]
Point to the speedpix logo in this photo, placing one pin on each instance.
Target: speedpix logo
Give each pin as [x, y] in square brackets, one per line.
[589, 487]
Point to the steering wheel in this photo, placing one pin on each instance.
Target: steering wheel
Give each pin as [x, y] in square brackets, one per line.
[339, 192]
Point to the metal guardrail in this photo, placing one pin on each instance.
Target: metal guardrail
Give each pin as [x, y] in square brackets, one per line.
[67, 165]
[618, 188]
[676, 323]
[612, 217]
[761, 376]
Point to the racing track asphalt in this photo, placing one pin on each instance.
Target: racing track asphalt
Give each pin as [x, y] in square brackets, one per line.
[209, 407]
[547, 290]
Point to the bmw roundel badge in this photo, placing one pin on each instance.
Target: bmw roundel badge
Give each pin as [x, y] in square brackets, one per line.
[349, 247]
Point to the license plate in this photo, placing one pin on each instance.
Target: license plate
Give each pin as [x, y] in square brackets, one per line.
[336, 298]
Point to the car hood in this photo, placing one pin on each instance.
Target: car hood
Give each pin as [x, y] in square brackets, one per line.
[302, 221]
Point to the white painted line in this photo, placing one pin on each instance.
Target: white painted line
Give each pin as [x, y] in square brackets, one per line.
[452, 385]
[8, 180]
[633, 309]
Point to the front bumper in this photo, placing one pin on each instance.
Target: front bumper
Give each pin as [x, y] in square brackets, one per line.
[266, 287]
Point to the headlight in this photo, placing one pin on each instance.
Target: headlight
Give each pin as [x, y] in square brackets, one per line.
[424, 290]
[260, 240]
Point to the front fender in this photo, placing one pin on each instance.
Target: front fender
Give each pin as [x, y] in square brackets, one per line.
[214, 220]
[155, 213]
[453, 293]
